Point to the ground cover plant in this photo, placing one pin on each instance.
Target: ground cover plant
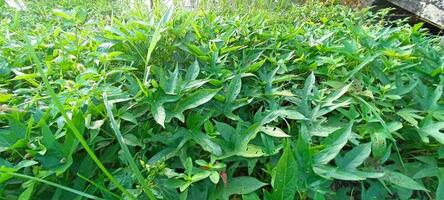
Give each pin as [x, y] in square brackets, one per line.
[232, 100]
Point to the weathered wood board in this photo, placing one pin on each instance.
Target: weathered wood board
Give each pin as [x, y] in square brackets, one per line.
[429, 10]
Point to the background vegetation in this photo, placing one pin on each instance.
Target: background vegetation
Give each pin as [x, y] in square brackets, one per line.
[240, 100]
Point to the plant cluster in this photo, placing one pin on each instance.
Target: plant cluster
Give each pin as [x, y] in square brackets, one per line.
[279, 101]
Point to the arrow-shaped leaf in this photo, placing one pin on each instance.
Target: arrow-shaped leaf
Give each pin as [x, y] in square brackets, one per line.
[334, 144]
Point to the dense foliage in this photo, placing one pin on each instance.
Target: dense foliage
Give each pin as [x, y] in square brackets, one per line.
[274, 101]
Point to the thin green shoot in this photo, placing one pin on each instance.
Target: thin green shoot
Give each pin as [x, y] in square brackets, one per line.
[155, 38]
[80, 193]
[126, 152]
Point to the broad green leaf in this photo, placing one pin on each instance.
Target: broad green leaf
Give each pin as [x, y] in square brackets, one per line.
[336, 95]
[356, 156]
[242, 185]
[285, 176]
[364, 63]
[192, 71]
[252, 151]
[55, 158]
[132, 140]
[268, 117]
[292, 114]
[250, 196]
[334, 144]
[247, 135]
[194, 84]
[434, 130]
[127, 116]
[233, 89]
[26, 195]
[200, 176]
[196, 99]
[214, 177]
[158, 112]
[225, 130]
[206, 143]
[172, 82]
[254, 67]
[323, 131]
[274, 131]
[402, 180]
[25, 163]
[5, 97]
[410, 116]
[12, 135]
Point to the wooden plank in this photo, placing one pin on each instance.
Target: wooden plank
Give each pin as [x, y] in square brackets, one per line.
[430, 10]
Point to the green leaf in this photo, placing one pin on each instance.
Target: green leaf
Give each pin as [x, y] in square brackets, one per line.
[54, 158]
[410, 116]
[254, 67]
[63, 14]
[12, 135]
[274, 131]
[434, 130]
[188, 165]
[233, 89]
[440, 189]
[159, 114]
[402, 180]
[214, 177]
[172, 82]
[242, 185]
[200, 176]
[127, 116]
[252, 151]
[195, 50]
[364, 63]
[5, 97]
[251, 196]
[206, 143]
[192, 71]
[132, 140]
[26, 195]
[336, 95]
[336, 173]
[292, 114]
[285, 176]
[356, 156]
[196, 99]
[342, 174]
[334, 144]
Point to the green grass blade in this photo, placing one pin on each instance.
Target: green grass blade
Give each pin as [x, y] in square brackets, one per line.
[126, 152]
[80, 193]
[98, 186]
[154, 40]
[73, 128]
